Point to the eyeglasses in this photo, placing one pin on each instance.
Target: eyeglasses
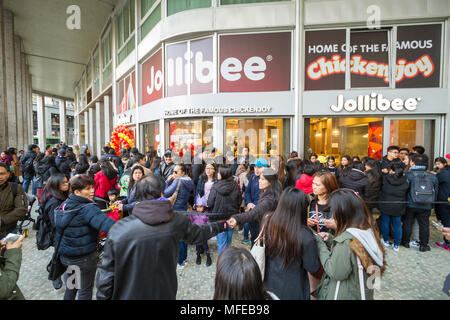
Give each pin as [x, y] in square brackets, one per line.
[176, 172]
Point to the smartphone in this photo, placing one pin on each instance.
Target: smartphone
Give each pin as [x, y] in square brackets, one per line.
[12, 237]
[436, 224]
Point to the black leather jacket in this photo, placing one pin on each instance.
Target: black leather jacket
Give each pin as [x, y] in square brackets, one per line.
[141, 252]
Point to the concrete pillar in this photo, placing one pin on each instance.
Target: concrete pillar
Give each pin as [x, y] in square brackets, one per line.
[41, 122]
[19, 109]
[86, 128]
[92, 140]
[99, 127]
[77, 131]
[30, 103]
[107, 117]
[25, 111]
[62, 121]
[3, 107]
[10, 78]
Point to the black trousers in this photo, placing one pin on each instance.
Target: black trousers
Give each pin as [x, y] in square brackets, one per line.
[423, 218]
[254, 231]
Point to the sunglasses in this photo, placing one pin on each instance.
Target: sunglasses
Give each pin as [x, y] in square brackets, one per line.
[176, 172]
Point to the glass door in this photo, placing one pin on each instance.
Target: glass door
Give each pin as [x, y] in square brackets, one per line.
[409, 132]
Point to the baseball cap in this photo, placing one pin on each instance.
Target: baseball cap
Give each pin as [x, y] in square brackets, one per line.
[261, 162]
[168, 152]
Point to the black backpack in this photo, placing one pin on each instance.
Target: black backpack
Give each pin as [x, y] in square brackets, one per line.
[422, 189]
[45, 233]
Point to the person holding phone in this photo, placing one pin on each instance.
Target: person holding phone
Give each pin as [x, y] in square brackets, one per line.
[10, 269]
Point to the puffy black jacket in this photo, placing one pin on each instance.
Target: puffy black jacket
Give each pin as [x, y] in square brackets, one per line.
[225, 198]
[51, 203]
[45, 168]
[375, 186]
[357, 181]
[26, 164]
[393, 189]
[166, 170]
[64, 166]
[83, 220]
[385, 163]
[141, 252]
[444, 184]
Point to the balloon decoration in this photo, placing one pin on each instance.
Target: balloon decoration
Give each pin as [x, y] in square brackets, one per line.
[122, 135]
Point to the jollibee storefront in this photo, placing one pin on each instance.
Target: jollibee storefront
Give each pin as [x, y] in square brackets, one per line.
[227, 91]
[375, 103]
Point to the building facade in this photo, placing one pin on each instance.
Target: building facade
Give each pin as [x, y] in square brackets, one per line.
[330, 77]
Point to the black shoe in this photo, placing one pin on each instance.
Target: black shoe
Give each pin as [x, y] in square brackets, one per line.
[199, 259]
[208, 260]
[424, 248]
[405, 244]
[57, 284]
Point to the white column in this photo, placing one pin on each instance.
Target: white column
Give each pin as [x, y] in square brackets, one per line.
[297, 136]
[3, 107]
[41, 122]
[62, 121]
[162, 138]
[99, 127]
[10, 77]
[86, 128]
[217, 134]
[107, 117]
[77, 131]
[91, 132]
[18, 74]
[25, 111]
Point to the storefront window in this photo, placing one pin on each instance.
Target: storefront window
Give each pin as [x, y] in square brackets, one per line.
[190, 135]
[344, 136]
[152, 137]
[409, 133]
[264, 137]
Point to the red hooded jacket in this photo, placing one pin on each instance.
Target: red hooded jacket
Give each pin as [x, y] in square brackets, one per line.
[305, 183]
[103, 185]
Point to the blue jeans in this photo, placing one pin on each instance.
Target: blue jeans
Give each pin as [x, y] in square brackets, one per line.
[182, 255]
[224, 240]
[386, 222]
[246, 230]
[26, 184]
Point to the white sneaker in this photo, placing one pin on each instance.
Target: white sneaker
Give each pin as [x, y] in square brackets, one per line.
[414, 244]
[395, 247]
[181, 266]
[386, 244]
[241, 231]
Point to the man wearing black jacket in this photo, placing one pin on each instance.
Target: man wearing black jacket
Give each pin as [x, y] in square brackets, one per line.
[141, 251]
[26, 165]
[391, 156]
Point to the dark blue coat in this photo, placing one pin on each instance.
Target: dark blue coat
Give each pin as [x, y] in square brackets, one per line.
[130, 202]
[200, 190]
[444, 184]
[252, 190]
[63, 164]
[81, 235]
[184, 194]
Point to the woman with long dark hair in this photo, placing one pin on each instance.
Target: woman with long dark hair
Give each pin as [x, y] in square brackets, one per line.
[126, 205]
[39, 170]
[267, 202]
[354, 178]
[356, 243]
[372, 173]
[346, 161]
[238, 277]
[54, 194]
[290, 247]
[82, 166]
[154, 167]
[105, 179]
[204, 186]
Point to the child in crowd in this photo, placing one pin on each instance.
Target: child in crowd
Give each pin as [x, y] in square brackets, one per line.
[112, 211]
[331, 165]
[306, 179]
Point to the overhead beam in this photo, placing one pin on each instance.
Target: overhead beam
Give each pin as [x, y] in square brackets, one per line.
[51, 95]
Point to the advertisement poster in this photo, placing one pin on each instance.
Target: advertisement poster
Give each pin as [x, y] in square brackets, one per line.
[255, 62]
[152, 78]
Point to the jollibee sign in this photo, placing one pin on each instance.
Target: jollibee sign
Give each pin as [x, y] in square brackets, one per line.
[247, 63]
[255, 62]
[152, 78]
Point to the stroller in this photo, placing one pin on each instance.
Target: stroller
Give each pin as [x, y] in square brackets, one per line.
[24, 222]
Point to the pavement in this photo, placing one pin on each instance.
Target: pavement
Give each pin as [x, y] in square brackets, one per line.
[409, 275]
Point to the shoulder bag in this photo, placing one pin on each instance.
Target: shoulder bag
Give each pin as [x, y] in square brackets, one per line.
[173, 197]
[361, 281]
[259, 252]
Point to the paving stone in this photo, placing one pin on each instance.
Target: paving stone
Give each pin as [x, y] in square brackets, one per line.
[410, 274]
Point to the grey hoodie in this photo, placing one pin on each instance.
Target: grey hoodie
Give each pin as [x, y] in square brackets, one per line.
[367, 239]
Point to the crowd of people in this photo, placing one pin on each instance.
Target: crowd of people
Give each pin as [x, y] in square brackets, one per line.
[316, 218]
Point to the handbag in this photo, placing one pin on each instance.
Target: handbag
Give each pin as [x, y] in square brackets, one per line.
[258, 252]
[361, 282]
[55, 267]
[37, 182]
[173, 197]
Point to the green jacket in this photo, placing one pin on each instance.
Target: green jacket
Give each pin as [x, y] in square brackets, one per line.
[11, 208]
[9, 274]
[340, 265]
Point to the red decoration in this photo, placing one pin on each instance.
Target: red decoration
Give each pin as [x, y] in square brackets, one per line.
[121, 134]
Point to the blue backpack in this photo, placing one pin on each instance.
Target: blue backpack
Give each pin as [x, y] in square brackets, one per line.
[422, 189]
